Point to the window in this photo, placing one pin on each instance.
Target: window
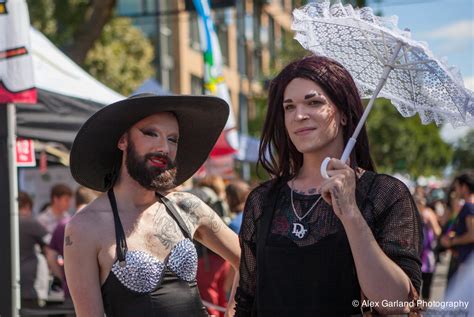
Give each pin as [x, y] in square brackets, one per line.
[257, 47]
[221, 24]
[166, 68]
[134, 7]
[197, 85]
[194, 40]
[271, 41]
[241, 49]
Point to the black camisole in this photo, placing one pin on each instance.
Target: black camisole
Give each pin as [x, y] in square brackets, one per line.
[141, 285]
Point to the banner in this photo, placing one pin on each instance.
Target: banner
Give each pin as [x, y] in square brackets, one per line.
[16, 64]
[25, 153]
[214, 83]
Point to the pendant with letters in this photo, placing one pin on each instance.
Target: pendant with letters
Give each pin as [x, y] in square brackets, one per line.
[299, 230]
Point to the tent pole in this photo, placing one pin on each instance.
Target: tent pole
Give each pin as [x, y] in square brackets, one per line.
[9, 246]
[14, 215]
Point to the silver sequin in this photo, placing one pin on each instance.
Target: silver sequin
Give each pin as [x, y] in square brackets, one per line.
[143, 271]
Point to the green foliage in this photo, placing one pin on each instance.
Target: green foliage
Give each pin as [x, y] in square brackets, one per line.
[464, 152]
[122, 57]
[291, 50]
[58, 20]
[405, 145]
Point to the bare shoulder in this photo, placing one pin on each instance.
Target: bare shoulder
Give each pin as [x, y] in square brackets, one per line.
[88, 223]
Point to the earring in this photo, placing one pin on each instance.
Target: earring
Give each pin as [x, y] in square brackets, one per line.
[343, 121]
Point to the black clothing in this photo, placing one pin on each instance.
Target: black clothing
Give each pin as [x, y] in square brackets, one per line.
[315, 276]
[32, 233]
[173, 297]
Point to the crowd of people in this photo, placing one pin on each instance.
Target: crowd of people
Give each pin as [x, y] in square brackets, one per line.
[448, 227]
[445, 213]
[303, 243]
[41, 244]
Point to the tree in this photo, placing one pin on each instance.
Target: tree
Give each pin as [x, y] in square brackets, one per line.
[464, 152]
[405, 145]
[74, 25]
[122, 56]
[110, 48]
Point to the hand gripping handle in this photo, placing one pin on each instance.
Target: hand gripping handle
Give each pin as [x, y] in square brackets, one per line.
[345, 156]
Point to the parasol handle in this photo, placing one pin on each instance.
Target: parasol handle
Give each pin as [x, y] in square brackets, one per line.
[353, 139]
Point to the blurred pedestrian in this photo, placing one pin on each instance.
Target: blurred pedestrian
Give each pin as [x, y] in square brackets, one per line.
[431, 232]
[460, 238]
[130, 251]
[60, 203]
[313, 246]
[237, 192]
[214, 274]
[83, 196]
[217, 185]
[34, 274]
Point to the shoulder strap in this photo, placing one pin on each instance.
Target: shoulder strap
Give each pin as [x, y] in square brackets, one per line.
[176, 216]
[120, 241]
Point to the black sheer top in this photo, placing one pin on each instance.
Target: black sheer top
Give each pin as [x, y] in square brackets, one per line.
[316, 275]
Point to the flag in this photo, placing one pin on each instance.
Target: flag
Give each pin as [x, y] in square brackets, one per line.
[214, 83]
[16, 64]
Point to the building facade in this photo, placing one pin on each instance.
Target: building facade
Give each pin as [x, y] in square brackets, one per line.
[250, 32]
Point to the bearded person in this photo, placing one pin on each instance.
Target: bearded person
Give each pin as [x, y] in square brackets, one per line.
[130, 252]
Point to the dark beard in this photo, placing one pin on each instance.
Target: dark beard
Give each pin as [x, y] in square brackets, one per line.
[150, 177]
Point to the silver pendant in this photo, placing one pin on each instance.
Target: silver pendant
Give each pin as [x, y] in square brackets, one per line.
[299, 230]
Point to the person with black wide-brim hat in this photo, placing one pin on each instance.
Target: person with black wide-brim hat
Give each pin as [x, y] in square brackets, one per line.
[130, 252]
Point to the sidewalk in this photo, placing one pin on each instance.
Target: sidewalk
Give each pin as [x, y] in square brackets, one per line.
[440, 277]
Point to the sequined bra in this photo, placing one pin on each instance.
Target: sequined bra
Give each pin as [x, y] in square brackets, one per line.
[140, 271]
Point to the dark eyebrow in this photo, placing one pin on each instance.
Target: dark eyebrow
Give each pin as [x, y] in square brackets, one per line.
[288, 100]
[310, 96]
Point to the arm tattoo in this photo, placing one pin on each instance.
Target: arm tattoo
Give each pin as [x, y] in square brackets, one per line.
[200, 214]
[336, 193]
[166, 230]
[190, 205]
[213, 221]
[68, 241]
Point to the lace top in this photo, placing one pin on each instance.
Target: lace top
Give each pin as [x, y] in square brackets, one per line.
[385, 203]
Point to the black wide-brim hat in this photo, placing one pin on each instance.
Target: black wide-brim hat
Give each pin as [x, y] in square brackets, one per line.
[95, 158]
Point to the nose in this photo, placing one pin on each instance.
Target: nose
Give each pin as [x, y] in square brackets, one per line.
[162, 146]
[301, 113]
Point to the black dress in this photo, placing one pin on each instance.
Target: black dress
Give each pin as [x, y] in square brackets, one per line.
[141, 285]
[282, 275]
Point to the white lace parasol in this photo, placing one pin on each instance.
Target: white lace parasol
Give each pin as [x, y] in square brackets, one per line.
[369, 46]
[385, 61]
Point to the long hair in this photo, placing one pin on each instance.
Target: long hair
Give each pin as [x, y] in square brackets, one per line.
[277, 154]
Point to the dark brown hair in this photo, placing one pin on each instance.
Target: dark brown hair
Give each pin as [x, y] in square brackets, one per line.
[277, 155]
[60, 190]
[466, 178]
[24, 201]
[85, 195]
[236, 192]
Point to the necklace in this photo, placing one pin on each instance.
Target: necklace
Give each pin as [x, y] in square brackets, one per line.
[300, 228]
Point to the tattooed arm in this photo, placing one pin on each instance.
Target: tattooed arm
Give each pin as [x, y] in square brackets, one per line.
[212, 232]
[372, 264]
[208, 228]
[81, 266]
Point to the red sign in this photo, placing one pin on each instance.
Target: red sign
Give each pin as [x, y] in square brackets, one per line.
[25, 153]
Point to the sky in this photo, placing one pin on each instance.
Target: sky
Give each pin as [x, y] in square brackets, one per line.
[448, 28]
